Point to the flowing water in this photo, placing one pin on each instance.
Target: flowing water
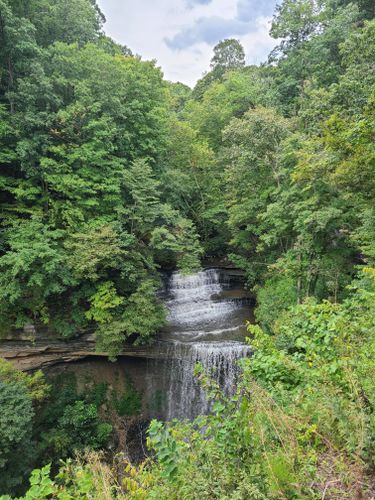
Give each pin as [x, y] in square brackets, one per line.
[207, 312]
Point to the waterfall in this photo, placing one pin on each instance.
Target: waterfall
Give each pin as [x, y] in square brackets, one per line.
[192, 300]
[185, 397]
[206, 325]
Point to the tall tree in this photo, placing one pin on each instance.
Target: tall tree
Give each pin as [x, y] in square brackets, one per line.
[228, 55]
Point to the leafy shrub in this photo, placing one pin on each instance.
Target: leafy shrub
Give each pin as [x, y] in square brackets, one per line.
[16, 419]
[20, 394]
[276, 296]
[70, 422]
[129, 403]
[85, 477]
[35, 384]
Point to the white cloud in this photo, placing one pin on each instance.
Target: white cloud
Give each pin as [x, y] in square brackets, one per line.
[146, 24]
[258, 44]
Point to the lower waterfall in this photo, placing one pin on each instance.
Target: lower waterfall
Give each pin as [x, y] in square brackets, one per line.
[206, 325]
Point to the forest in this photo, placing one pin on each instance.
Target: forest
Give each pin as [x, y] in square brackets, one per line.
[109, 173]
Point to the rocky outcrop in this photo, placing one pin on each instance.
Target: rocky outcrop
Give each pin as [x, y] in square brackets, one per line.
[27, 353]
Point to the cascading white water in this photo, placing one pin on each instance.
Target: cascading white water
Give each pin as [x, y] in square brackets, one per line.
[192, 299]
[185, 397]
[204, 327]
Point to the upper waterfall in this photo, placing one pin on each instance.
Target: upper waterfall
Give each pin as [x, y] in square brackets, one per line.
[205, 305]
[193, 301]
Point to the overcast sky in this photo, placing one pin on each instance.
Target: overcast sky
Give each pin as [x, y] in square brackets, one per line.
[180, 34]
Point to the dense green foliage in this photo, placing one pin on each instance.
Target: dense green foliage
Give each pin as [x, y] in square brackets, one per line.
[70, 421]
[85, 224]
[44, 423]
[109, 173]
[20, 396]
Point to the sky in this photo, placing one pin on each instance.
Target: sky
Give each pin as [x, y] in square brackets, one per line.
[180, 34]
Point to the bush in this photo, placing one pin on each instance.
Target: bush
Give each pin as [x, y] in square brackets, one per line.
[129, 403]
[276, 296]
[16, 419]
